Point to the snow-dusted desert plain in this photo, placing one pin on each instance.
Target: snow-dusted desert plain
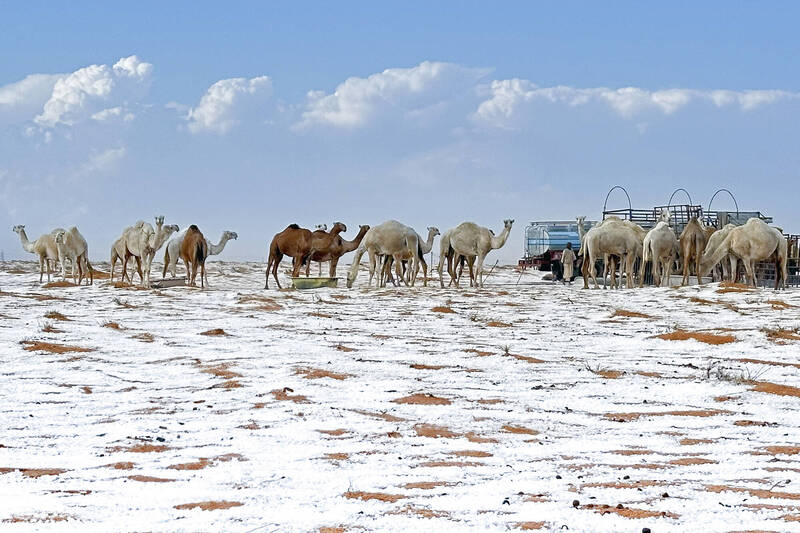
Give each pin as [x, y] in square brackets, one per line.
[516, 407]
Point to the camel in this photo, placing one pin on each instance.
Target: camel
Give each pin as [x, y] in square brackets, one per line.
[322, 241]
[194, 250]
[661, 246]
[294, 241]
[752, 242]
[402, 260]
[173, 250]
[714, 240]
[472, 241]
[44, 247]
[693, 243]
[118, 253]
[337, 249]
[71, 245]
[612, 236]
[323, 227]
[389, 238]
[142, 242]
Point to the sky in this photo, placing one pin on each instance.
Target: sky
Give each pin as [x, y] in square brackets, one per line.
[251, 116]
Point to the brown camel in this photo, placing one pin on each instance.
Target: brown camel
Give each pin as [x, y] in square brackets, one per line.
[693, 241]
[294, 241]
[322, 241]
[194, 250]
[339, 248]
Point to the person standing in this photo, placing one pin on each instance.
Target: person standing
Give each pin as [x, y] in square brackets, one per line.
[568, 262]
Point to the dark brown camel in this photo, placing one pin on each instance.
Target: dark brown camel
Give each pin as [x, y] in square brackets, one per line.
[194, 250]
[322, 241]
[338, 248]
[294, 241]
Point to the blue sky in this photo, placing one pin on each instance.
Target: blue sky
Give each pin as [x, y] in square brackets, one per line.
[251, 116]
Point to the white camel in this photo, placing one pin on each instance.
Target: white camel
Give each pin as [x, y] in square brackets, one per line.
[612, 236]
[172, 250]
[71, 245]
[44, 247]
[752, 242]
[142, 242]
[693, 241]
[389, 238]
[661, 246]
[713, 243]
[474, 242]
[401, 260]
[118, 253]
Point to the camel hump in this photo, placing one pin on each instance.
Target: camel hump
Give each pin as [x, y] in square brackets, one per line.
[293, 226]
[193, 228]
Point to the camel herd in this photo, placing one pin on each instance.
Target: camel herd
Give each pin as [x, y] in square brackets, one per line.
[615, 239]
[388, 244]
[393, 244]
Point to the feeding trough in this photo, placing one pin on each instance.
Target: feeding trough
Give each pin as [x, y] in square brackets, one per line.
[165, 283]
[314, 283]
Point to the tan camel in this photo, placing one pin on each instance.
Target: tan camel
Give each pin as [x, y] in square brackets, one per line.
[322, 241]
[714, 240]
[172, 251]
[661, 246]
[71, 245]
[401, 261]
[142, 242]
[44, 247]
[472, 241]
[752, 242]
[194, 250]
[388, 238]
[294, 241]
[118, 251]
[693, 243]
[612, 236]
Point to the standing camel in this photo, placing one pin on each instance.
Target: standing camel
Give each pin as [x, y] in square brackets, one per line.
[322, 241]
[389, 238]
[173, 250]
[44, 247]
[693, 243]
[612, 236]
[194, 250]
[661, 246]
[713, 243]
[142, 242]
[402, 260]
[71, 245]
[752, 242]
[338, 248]
[469, 240]
[294, 241]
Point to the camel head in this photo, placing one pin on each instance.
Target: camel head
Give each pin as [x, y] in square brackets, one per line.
[433, 231]
[580, 220]
[351, 276]
[170, 229]
[508, 222]
[230, 235]
[60, 237]
[340, 226]
[18, 228]
[665, 216]
[159, 221]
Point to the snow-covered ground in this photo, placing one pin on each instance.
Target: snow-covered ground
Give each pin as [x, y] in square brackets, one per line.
[530, 406]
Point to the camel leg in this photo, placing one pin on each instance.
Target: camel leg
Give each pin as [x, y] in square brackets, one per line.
[269, 265]
[41, 268]
[275, 263]
[333, 263]
[479, 272]
[424, 272]
[685, 280]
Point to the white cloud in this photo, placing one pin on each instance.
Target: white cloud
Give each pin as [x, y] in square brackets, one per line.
[402, 91]
[507, 96]
[89, 90]
[103, 162]
[113, 113]
[226, 101]
[20, 100]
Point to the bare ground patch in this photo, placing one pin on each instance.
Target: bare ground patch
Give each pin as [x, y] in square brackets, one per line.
[39, 346]
[708, 338]
[630, 314]
[422, 399]
[318, 373]
[378, 496]
[209, 505]
[282, 395]
[628, 417]
[216, 332]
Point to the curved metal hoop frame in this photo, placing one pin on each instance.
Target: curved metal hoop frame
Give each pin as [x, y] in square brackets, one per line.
[729, 194]
[677, 191]
[620, 187]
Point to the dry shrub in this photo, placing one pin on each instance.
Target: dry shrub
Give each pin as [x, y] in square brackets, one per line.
[99, 274]
[442, 309]
[519, 430]
[150, 479]
[708, 338]
[422, 399]
[628, 512]
[427, 485]
[121, 466]
[221, 370]
[144, 337]
[264, 303]
[139, 448]
[479, 353]
[39, 346]
[31, 519]
[316, 373]
[320, 315]
[113, 325]
[49, 328]
[779, 304]
[343, 348]
[209, 506]
[424, 512]
[283, 395]
[333, 432]
[496, 324]
[366, 496]
[55, 315]
[630, 314]
[781, 334]
[216, 332]
[528, 526]
[58, 285]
